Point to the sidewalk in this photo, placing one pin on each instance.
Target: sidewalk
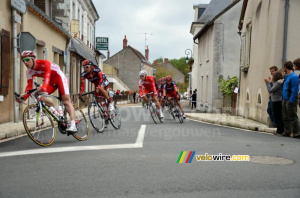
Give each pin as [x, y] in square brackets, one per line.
[11, 129]
[227, 120]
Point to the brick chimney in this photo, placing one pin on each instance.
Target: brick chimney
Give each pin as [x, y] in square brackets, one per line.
[124, 42]
[108, 54]
[166, 61]
[147, 53]
[155, 63]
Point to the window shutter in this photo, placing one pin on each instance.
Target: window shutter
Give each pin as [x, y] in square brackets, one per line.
[5, 62]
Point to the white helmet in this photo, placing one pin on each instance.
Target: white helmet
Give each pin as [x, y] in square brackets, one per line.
[143, 73]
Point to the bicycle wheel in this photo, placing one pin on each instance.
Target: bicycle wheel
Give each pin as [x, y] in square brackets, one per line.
[179, 114]
[96, 117]
[39, 125]
[82, 124]
[153, 112]
[115, 118]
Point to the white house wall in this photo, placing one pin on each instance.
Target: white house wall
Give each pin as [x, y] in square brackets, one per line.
[267, 20]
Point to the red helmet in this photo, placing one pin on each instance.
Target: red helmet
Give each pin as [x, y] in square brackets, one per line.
[168, 78]
[163, 79]
[159, 80]
[28, 53]
[87, 62]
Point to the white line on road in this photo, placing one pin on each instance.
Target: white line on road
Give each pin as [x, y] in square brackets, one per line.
[138, 144]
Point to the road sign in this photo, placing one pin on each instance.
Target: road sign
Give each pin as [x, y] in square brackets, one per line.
[26, 41]
[101, 40]
[19, 5]
[100, 46]
[102, 43]
[17, 18]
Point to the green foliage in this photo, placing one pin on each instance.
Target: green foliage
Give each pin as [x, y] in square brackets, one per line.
[182, 87]
[180, 64]
[227, 86]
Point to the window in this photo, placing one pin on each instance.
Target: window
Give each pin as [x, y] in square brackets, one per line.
[248, 46]
[5, 62]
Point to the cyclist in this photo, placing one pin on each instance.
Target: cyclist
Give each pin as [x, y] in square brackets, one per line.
[94, 74]
[171, 90]
[148, 82]
[53, 78]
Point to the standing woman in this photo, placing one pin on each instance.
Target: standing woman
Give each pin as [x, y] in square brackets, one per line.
[276, 98]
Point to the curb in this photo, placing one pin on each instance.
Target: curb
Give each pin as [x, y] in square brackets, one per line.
[233, 123]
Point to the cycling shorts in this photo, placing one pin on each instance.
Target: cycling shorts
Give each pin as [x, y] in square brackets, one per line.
[174, 95]
[58, 81]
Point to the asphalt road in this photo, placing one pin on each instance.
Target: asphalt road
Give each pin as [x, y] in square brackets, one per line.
[151, 170]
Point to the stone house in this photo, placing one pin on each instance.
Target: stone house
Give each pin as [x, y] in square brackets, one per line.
[218, 52]
[128, 62]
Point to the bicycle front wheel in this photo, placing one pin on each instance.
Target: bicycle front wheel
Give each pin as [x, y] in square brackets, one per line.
[96, 117]
[82, 124]
[153, 112]
[39, 125]
[179, 114]
[115, 118]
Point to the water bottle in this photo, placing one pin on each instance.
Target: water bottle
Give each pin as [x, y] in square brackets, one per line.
[52, 109]
[60, 111]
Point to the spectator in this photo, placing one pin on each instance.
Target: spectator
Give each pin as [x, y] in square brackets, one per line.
[290, 101]
[194, 99]
[276, 97]
[118, 92]
[273, 69]
[122, 92]
[134, 96]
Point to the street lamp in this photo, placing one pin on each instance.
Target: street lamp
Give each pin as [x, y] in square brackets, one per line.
[188, 52]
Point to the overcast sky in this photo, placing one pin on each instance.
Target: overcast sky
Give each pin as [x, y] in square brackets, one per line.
[168, 21]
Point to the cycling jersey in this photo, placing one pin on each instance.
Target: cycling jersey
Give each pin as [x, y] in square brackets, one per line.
[53, 78]
[170, 90]
[96, 76]
[160, 90]
[148, 84]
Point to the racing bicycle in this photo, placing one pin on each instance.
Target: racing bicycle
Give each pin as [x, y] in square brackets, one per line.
[39, 123]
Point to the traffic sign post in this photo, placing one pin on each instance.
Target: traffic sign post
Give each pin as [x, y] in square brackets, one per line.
[102, 43]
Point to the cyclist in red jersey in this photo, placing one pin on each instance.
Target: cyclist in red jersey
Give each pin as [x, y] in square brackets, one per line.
[171, 90]
[53, 78]
[148, 82]
[94, 74]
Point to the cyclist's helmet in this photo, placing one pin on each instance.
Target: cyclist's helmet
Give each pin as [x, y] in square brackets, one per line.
[143, 73]
[87, 62]
[168, 78]
[28, 53]
[163, 79]
[159, 80]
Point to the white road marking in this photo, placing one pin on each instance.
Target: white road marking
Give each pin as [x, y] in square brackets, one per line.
[138, 144]
[140, 137]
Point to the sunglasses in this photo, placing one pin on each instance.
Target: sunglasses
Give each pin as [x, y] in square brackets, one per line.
[142, 76]
[86, 67]
[26, 59]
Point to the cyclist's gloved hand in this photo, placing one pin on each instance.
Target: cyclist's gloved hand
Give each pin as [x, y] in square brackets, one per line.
[79, 96]
[20, 99]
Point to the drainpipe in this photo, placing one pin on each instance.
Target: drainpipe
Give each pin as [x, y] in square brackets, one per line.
[240, 74]
[16, 68]
[286, 21]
